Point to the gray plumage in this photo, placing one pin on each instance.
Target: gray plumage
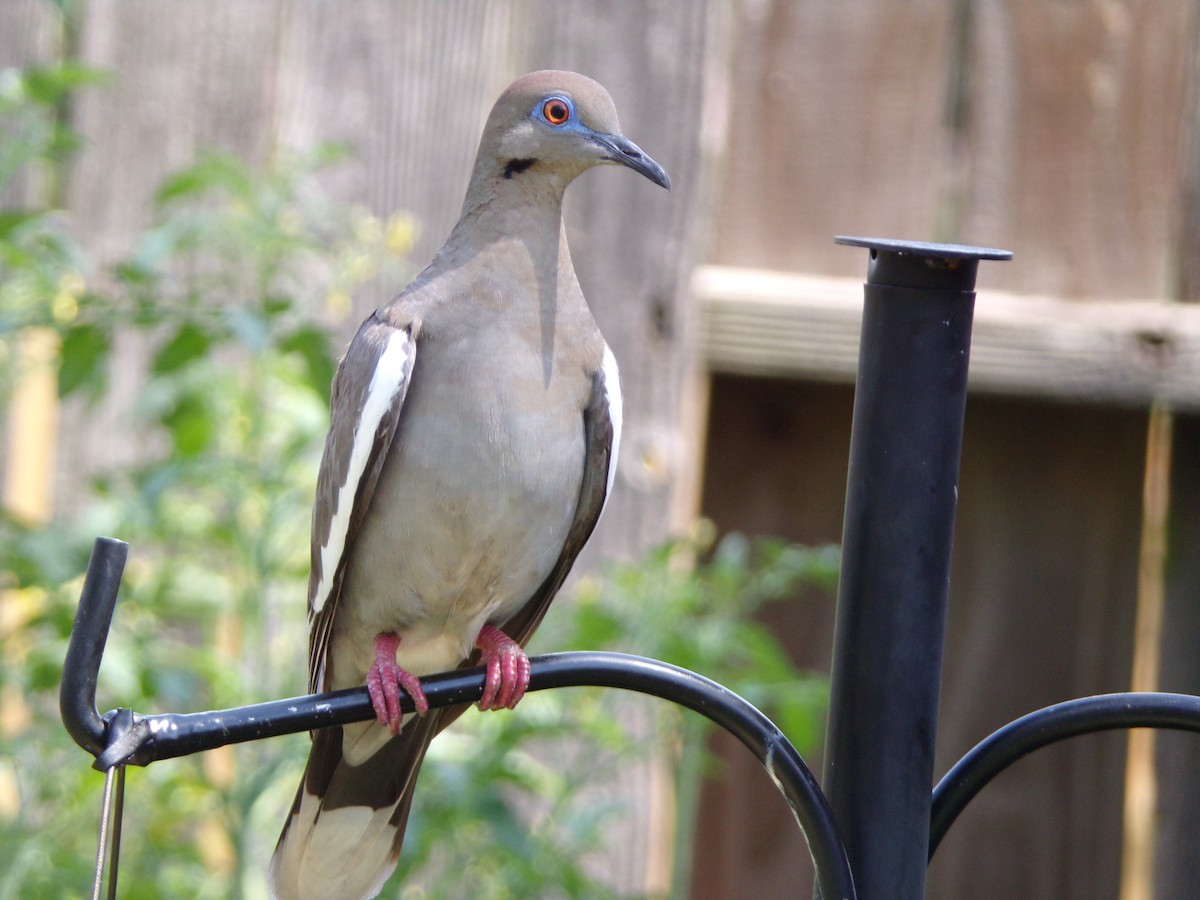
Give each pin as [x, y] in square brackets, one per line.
[472, 443]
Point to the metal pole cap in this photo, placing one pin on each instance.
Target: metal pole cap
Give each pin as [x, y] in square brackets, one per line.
[917, 264]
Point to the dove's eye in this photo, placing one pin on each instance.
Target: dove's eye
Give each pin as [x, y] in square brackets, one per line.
[556, 111]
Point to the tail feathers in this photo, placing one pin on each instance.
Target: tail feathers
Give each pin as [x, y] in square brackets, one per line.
[342, 838]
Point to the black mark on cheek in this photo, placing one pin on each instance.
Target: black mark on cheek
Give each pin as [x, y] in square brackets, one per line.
[517, 166]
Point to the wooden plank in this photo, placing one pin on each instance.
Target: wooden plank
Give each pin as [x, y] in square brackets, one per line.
[185, 78]
[634, 245]
[1128, 352]
[30, 33]
[1062, 143]
[1041, 610]
[1072, 141]
[1052, 131]
[1177, 862]
[826, 132]
[405, 87]
[775, 464]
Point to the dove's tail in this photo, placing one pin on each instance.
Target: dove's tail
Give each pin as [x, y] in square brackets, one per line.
[342, 837]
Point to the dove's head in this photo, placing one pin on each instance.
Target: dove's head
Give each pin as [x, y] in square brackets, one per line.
[558, 124]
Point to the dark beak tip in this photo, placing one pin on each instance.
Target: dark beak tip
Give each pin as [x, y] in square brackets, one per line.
[652, 170]
[631, 155]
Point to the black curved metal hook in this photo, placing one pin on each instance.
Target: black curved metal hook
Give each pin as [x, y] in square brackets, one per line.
[1105, 712]
[130, 738]
[77, 693]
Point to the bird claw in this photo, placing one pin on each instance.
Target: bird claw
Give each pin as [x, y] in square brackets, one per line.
[507, 676]
[385, 679]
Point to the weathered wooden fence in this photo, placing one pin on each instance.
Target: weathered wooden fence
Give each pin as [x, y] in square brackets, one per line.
[1068, 132]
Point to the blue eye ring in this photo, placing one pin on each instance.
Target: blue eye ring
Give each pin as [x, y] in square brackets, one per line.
[556, 111]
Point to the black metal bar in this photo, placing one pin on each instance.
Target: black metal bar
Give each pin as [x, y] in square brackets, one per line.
[1106, 712]
[901, 491]
[125, 737]
[168, 735]
[77, 693]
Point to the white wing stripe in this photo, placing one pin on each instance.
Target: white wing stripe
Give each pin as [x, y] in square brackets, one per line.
[386, 382]
[612, 387]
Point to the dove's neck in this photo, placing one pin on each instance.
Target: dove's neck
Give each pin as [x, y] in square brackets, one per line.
[526, 206]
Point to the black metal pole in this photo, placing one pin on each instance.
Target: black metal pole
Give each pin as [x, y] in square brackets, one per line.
[901, 491]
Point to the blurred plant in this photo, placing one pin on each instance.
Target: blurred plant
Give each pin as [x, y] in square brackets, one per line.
[226, 301]
[39, 261]
[694, 605]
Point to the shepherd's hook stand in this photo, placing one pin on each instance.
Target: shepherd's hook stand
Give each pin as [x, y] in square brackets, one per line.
[124, 737]
[880, 824]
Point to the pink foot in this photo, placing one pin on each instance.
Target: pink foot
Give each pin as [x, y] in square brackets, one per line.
[384, 680]
[507, 669]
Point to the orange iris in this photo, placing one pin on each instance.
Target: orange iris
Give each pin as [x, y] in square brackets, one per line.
[556, 111]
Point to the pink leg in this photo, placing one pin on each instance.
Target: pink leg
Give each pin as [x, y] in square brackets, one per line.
[384, 680]
[507, 669]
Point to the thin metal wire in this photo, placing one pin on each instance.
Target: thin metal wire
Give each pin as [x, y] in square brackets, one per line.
[111, 810]
[114, 858]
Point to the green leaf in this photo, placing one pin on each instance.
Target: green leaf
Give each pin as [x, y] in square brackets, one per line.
[133, 272]
[312, 344]
[191, 426]
[12, 219]
[596, 627]
[83, 356]
[277, 305]
[189, 343]
[49, 85]
[213, 172]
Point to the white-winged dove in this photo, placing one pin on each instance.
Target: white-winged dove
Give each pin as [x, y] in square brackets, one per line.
[473, 441]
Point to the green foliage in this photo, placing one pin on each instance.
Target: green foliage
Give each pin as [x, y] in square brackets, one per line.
[698, 613]
[228, 300]
[34, 134]
[39, 262]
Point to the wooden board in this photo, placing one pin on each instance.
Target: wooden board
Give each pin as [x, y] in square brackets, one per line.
[1177, 863]
[824, 135]
[1051, 129]
[1130, 352]
[1177, 866]
[1055, 130]
[1071, 141]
